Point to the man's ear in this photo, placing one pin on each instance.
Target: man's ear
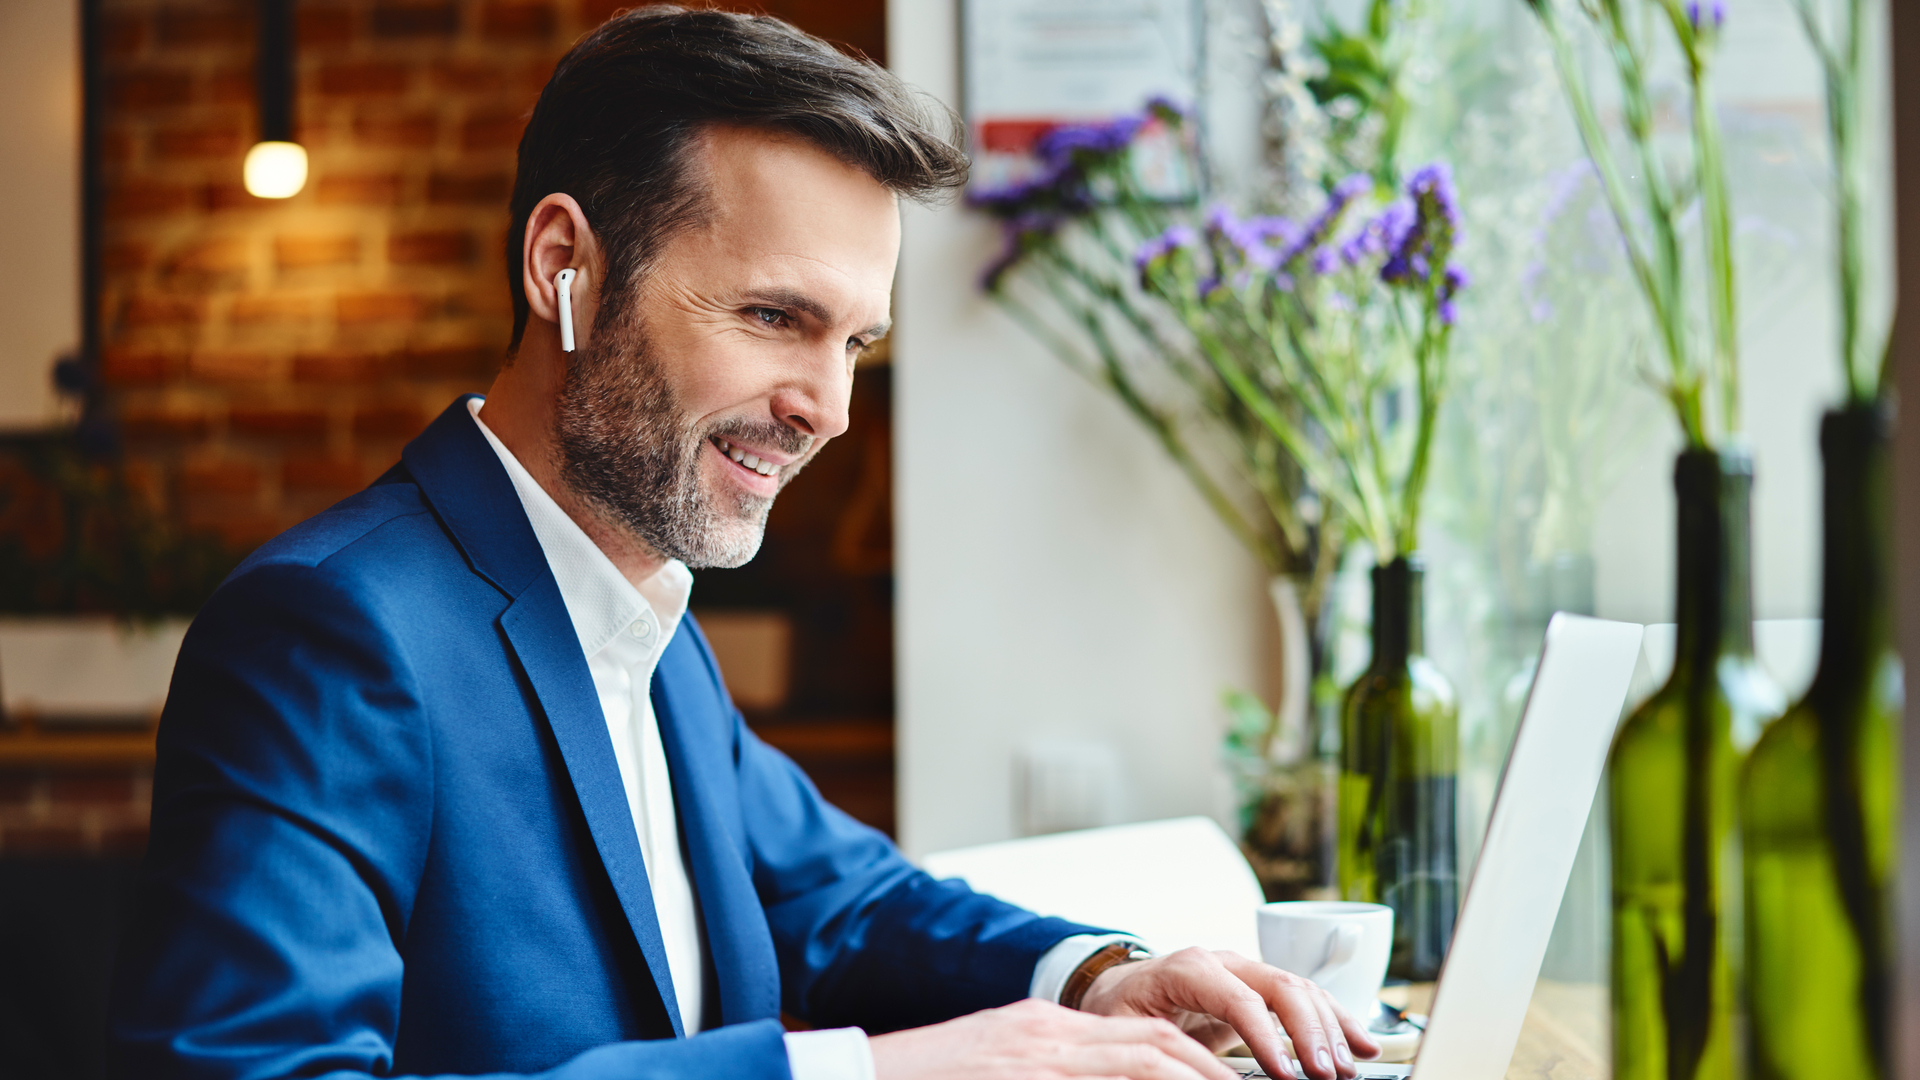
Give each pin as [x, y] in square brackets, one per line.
[557, 238]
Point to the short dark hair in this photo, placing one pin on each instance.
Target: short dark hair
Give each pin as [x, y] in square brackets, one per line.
[616, 125]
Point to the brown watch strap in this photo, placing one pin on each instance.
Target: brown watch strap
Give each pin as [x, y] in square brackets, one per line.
[1081, 980]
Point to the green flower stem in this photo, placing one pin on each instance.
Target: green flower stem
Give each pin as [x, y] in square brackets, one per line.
[1656, 261]
[1840, 69]
[1111, 374]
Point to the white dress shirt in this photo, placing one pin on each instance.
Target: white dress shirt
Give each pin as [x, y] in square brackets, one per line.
[623, 630]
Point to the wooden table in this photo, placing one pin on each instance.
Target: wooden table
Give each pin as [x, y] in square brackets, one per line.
[1564, 1037]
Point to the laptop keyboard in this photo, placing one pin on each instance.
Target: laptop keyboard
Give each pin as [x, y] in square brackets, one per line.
[1364, 1075]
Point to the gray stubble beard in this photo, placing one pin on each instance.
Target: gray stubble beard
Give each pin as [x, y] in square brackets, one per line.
[625, 444]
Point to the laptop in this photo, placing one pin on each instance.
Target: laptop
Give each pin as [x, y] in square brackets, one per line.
[1514, 894]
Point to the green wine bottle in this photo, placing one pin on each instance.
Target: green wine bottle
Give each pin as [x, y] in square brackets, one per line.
[1818, 800]
[1671, 782]
[1398, 768]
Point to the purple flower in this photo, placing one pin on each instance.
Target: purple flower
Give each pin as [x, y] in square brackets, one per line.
[1708, 20]
[1176, 238]
[1429, 237]
[1059, 147]
[1325, 261]
[1448, 313]
[1316, 231]
[1166, 109]
[1017, 236]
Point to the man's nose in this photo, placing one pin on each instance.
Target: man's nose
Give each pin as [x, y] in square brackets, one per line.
[817, 401]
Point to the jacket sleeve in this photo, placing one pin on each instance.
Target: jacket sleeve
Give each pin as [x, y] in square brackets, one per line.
[293, 807]
[863, 937]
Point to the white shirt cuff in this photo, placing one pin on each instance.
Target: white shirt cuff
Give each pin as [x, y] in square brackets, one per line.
[1057, 964]
[829, 1054]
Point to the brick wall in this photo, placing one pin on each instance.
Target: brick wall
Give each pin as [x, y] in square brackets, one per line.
[89, 811]
[268, 357]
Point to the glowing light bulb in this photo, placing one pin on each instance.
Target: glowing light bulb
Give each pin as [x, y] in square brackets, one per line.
[276, 170]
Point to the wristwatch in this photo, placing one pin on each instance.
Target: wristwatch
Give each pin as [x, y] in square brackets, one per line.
[1120, 952]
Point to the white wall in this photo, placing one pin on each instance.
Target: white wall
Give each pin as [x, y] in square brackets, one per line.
[1057, 577]
[39, 202]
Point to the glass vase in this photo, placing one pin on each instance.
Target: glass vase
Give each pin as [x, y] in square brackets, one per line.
[1819, 799]
[1399, 762]
[1671, 780]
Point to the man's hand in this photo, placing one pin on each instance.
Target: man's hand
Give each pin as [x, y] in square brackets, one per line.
[1221, 998]
[1038, 1040]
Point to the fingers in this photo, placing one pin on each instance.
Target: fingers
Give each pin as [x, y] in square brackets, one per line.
[1165, 1041]
[1311, 1018]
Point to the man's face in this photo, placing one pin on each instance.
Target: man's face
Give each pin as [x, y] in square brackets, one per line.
[734, 366]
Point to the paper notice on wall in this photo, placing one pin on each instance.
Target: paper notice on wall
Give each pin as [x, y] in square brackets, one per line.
[1034, 65]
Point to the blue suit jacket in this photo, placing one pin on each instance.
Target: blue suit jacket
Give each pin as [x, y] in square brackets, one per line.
[389, 836]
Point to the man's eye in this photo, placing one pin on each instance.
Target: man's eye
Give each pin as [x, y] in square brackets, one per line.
[769, 316]
[855, 345]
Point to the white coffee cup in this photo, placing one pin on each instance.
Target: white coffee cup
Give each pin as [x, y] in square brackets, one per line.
[1342, 946]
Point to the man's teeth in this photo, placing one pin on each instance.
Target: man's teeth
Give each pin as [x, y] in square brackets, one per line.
[764, 468]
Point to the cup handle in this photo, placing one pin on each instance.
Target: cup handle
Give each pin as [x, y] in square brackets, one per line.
[1340, 949]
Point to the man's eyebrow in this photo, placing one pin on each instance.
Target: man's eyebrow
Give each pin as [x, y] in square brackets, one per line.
[799, 301]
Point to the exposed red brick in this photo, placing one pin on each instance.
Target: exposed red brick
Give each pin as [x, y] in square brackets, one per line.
[214, 256]
[410, 130]
[468, 77]
[62, 839]
[595, 12]
[317, 471]
[122, 34]
[221, 477]
[122, 838]
[443, 246]
[252, 310]
[453, 362]
[414, 20]
[144, 310]
[369, 79]
[220, 195]
[240, 527]
[331, 367]
[319, 27]
[310, 250]
[17, 788]
[204, 26]
[116, 147]
[518, 22]
[232, 86]
[204, 141]
[228, 366]
[121, 366]
[151, 88]
[112, 788]
[447, 188]
[390, 421]
[378, 189]
[492, 131]
[291, 422]
[172, 423]
[149, 200]
[126, 257]
[383, 306]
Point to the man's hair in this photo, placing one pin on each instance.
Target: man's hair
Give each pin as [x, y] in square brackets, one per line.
[617, 126]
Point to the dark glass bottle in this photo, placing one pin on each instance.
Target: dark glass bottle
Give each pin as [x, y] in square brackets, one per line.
[1671, 786]
[1819, 799]
[1398, 776]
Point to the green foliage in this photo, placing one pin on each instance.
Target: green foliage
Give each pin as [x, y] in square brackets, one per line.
[74, 538]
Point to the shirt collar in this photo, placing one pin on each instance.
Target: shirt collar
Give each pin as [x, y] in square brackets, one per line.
[600, 600]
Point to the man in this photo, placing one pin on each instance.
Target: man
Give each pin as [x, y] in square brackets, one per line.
[448, 781]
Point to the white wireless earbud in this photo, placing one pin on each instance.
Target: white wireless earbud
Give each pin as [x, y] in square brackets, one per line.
[564, 283]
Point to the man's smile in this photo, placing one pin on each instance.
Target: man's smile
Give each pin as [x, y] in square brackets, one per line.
[761, 475]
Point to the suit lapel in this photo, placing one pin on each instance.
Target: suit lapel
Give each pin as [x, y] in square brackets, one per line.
[746, 969]
[469, 489]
